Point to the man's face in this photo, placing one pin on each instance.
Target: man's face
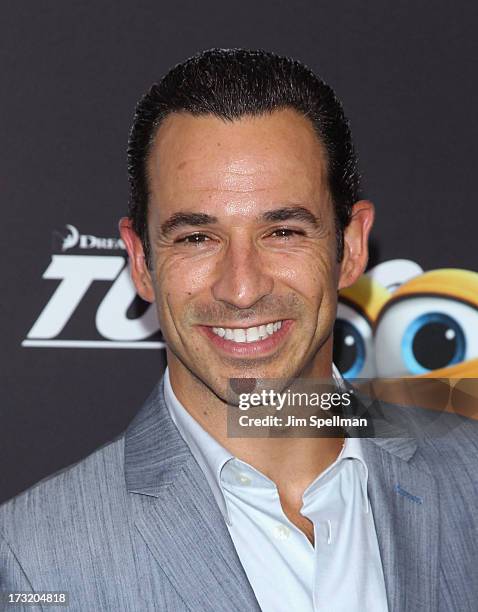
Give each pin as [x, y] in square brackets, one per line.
[243, 247]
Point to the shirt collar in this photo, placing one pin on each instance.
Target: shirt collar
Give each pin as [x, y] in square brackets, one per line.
[352, 449]
[211, 456]
[338, 379]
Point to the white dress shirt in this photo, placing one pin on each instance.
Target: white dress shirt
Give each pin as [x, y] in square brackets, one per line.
[342, 572]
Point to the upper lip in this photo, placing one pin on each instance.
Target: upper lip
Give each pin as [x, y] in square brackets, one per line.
[243, 325]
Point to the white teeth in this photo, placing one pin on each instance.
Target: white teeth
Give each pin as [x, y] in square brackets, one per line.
[251, 334]
[239, 335]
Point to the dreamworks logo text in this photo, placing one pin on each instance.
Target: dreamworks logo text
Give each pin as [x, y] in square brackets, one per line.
[74, 239]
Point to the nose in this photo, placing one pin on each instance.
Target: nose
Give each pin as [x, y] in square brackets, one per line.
[242, 278]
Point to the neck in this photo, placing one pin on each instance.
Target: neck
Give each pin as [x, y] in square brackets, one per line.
[291, 462]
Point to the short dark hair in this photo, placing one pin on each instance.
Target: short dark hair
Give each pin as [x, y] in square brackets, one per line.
[233, 83]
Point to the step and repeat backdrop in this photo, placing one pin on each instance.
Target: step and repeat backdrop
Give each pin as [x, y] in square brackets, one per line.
[80, 351]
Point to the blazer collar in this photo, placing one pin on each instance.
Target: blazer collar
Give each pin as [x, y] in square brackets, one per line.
[177, 517]
[154, 449]
[405, 504]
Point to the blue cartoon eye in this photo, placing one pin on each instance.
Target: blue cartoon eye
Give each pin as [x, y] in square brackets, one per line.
[349, 349]
[431, 341]
[353, 354]
[421, 334]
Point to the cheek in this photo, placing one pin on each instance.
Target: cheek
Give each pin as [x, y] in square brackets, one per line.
[178, 280]
[314, 277]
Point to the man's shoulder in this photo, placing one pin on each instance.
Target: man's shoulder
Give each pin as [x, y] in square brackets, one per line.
[446, 443]
[73, 491]
[449, 443]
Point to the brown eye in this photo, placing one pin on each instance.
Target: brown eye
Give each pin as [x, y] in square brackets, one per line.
[194, 239]
[285, 232]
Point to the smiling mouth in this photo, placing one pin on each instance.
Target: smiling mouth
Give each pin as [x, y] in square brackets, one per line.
[248, 334]
[263, 339]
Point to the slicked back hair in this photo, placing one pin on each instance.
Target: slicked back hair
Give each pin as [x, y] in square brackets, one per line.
[234, 83]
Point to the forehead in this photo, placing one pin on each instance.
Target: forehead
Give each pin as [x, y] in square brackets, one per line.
[203, 161]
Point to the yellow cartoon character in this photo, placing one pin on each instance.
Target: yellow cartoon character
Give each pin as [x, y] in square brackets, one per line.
[424, 324]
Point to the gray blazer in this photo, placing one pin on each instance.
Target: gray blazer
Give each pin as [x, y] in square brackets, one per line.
[135, 527]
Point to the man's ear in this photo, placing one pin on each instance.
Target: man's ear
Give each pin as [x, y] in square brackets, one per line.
[139, 269]
[356, 236]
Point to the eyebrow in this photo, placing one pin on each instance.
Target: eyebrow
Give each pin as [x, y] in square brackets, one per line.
[285, 213]
[182, 219]
[296, 213]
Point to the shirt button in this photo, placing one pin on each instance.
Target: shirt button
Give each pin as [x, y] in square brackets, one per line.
[243, 479]
[281, 532]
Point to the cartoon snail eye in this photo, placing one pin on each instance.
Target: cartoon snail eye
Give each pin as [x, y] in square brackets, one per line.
[353, 343]
[417, 335]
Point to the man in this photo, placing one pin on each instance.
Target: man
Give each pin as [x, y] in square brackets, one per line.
[245, 220]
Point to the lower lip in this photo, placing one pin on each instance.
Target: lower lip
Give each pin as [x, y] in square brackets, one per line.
[245, 349]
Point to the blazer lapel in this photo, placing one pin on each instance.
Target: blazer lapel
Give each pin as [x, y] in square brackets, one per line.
[177, 516]
[404, 502]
